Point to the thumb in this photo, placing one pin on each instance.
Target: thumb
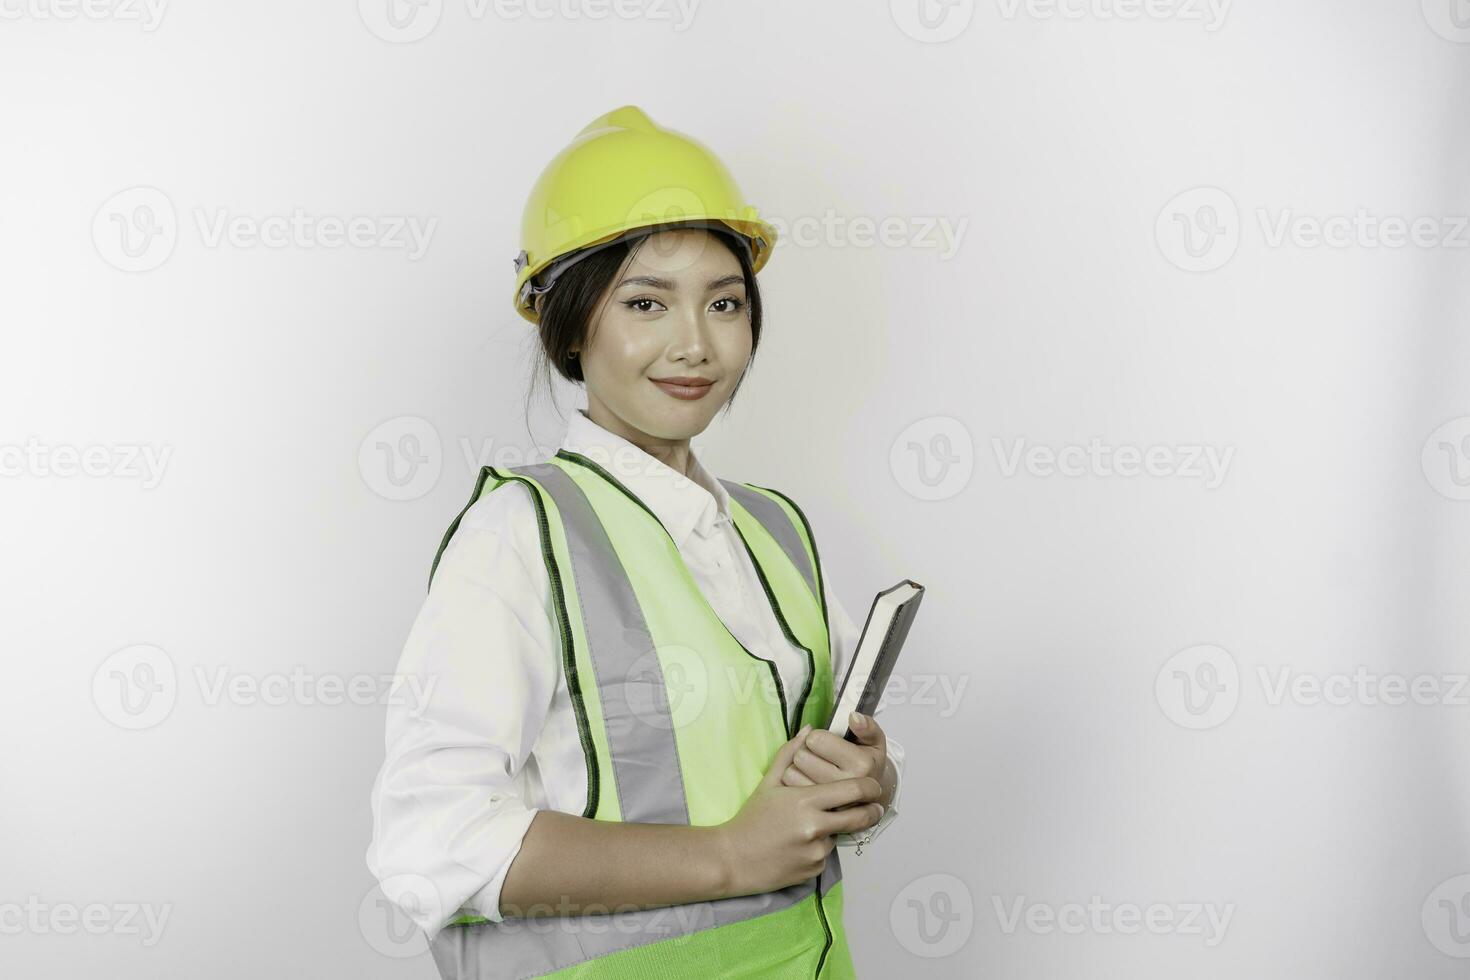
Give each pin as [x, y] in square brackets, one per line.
[786, 754]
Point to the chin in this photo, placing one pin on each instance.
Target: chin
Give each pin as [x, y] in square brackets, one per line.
[680, 420]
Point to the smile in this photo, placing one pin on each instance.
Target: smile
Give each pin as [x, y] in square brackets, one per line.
[689, 389]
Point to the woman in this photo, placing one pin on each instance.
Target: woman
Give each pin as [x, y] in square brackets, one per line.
[623, 769]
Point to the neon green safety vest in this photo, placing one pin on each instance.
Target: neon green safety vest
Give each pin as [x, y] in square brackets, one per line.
[678, 723]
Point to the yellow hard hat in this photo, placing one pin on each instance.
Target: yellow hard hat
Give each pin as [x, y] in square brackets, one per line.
[622, 173]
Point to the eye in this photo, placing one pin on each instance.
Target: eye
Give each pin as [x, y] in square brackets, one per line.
[735, 304]
[641, 304]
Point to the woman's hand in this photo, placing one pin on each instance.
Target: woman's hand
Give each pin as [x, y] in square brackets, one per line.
[782, 834]
[825, 757]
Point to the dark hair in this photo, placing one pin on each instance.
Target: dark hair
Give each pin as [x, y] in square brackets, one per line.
[569, 307]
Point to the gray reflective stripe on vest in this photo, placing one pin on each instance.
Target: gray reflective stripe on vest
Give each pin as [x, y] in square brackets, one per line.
[777, 524]
[644, 759]
[521, 948]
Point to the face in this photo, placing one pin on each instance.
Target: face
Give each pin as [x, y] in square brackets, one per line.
[676, 310]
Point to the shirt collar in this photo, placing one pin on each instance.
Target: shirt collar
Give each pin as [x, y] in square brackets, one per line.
[695, 504]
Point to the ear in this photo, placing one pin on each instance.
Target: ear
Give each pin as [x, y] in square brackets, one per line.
[536, 303]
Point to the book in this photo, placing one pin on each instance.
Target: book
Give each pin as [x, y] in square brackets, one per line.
[889, 618]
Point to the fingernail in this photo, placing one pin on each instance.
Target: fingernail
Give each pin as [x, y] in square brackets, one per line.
[804, 730]
[857, 720]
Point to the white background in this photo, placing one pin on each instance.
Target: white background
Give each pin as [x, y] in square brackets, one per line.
[1083, 758]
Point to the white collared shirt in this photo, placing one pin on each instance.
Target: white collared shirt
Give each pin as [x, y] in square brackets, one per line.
[495, 739]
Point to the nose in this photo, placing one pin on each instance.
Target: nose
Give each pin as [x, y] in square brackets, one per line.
[690, 340]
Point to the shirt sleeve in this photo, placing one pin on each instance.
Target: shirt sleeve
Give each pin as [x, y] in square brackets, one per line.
[845, 634]
[474, 684]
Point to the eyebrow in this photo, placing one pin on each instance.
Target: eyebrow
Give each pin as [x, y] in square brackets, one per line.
[665, 284]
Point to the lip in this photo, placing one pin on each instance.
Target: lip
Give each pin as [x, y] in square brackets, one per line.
[686, 388]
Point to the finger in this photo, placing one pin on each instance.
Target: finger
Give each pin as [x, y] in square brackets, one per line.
[863, 789]
[795, 777]
[784, 755]
[852, 820]
[817, 769]
[865, 729]
[851, 759]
